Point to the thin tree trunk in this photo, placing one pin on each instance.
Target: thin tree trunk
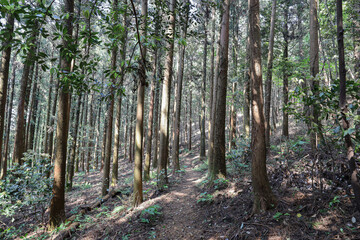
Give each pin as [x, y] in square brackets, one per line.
[84, 133]
[115, 170]
[203, 91]
[165, 101]
[176, 143]
[343, 105]
[314, 70]
[150, 122]
[73, 147]
[4, 75]
[268, 82]
[285, 129]
[156, 112]
[212, 73]
[19, 144]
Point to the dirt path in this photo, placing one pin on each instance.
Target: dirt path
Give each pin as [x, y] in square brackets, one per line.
[179, 207]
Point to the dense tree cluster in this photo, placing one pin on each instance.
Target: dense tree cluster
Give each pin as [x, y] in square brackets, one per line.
[86, 85]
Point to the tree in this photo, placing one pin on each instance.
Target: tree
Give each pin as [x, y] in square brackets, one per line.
[219, 165]
[314, 70]
[118, 109]
[285, 126]
[263, 196]
[177, 107]
[57, 206]
[139, 131]
[165, 100]
[268, 82]
[203, 87]
[4, 75]
[19, 146]
[109, 129]
[343, 105]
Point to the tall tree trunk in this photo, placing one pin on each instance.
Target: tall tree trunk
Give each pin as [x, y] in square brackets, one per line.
[126, 126]
[213, 115]
[212, 73]
[219, 165]
[91, 133]
[232, 133]
[190, 120]
[73, 147]
[314, 70]
[165, 101]
[138, 190]
[47, 121]
[19, 145]
[156, 112]
[263, 196]
[203, 90]
[247, 97]
[131, 123]
[109, 130]
[57, 206]
[4, 75]
[115, 170]
[268, 82]
[343, 105]
[150, 122]
[84, 133]
[285, 129]
[176, 142]
[32, 111]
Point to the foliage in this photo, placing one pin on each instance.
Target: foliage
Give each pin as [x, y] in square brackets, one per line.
[150, 214]
[205, 198]
[323, 98]
[26, 185]
[220, 183]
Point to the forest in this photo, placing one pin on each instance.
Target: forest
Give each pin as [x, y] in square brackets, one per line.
[191, 119]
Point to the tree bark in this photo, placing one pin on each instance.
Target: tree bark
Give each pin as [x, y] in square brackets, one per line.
[219, 165]
[73, 147]
[139, 131]
[343, 105]
[165, 101]
[263, 196]
[19, 145]
[314, 70]
[176, 140]
[57, 206]
[203, 91]
[285, 126]
[109, 129]
[268, 82]
[4, 75]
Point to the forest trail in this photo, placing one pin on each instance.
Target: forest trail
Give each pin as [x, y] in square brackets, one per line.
[179, 207]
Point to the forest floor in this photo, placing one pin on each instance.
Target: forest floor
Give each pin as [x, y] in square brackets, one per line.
[312, 202]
